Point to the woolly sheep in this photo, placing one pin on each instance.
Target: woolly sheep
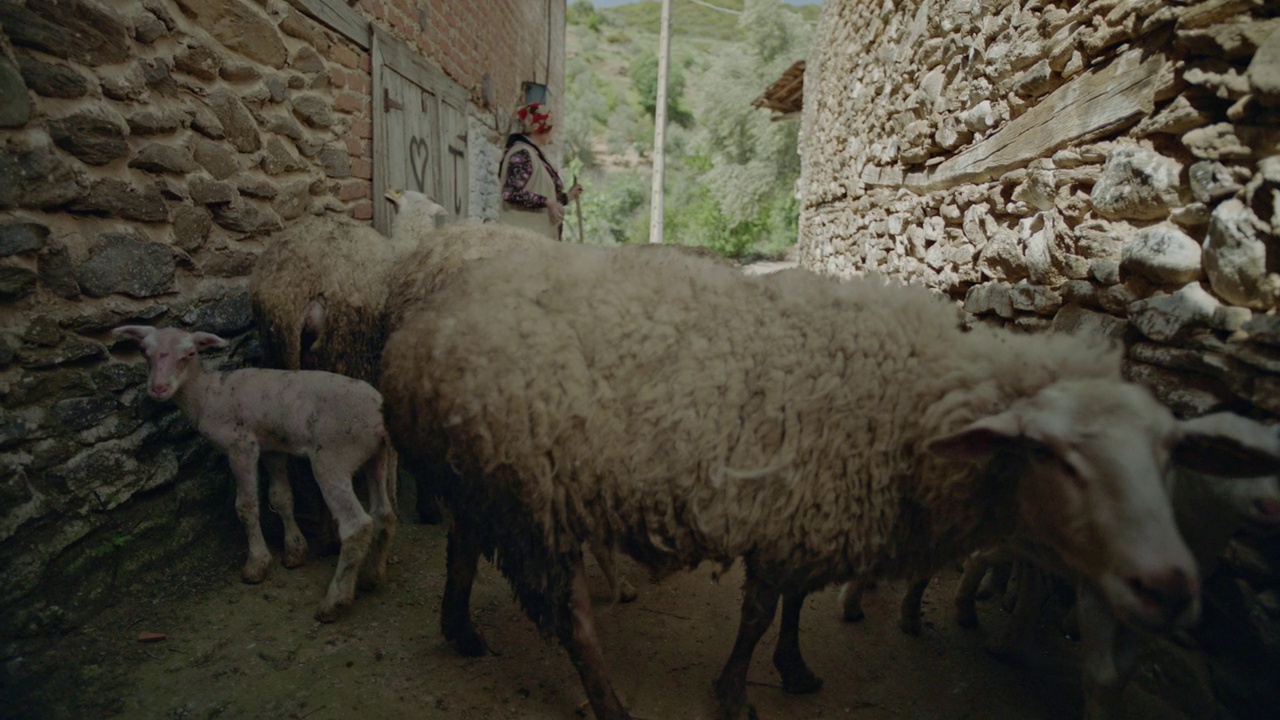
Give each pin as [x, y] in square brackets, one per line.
[682, 412]
[334, 421]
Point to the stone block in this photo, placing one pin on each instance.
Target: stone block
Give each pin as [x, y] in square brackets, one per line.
[236, 121]
[22, 237]
[198, 61]
[1137, 184]
[117, 197]
[216, 158]
[161, 158]
[191, 226]
[52, 80]
[127, 263]
[1163, 254]
[38, 177]
[15, 111]
[95, 135]
[240, 27]
[16, 282]
[1235, 257]
[57, 272]
[78, 30]
[1264, 71]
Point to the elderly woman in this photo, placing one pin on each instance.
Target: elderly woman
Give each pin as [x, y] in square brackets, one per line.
[533, 195]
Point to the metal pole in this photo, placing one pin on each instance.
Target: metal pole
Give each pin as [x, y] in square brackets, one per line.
[660, 126]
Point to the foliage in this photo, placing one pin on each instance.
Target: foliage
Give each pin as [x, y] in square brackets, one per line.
[583, 13]
[644, 80]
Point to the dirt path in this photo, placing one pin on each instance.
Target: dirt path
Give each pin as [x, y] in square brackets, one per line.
[241, 651]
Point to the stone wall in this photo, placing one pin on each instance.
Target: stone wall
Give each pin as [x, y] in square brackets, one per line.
[146, 149]
[1105, 165]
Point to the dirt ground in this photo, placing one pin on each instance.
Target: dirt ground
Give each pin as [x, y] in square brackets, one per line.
[253, 651]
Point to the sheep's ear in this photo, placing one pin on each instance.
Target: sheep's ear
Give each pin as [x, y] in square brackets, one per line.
[437, 209]
[979, 439]
[1228, 445]
[204, 340]
[396, 197]
[138, 333]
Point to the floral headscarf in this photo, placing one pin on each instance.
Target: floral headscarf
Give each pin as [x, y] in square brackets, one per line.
[535, 118]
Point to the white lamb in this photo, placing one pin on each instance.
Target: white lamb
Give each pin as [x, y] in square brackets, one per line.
[679, 411]
[333, 420]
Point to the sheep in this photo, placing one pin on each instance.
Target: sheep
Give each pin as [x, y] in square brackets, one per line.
[334, 421]
[820, 431]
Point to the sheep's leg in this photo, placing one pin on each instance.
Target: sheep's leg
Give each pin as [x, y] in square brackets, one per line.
[759, 604]
[378, 474]
[244, 465]
[909, 612]
[1014, 642]
[455, 611]
[619, 588]
[586, 652]
[1102, 678]
[355, 531]
[295, 545]
[797, 678]
[851, 598]
[427, 505]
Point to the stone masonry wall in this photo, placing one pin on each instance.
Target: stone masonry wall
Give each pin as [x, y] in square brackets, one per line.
[146, 149]
[1111, 166]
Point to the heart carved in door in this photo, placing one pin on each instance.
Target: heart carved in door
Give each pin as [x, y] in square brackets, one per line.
[419, 154]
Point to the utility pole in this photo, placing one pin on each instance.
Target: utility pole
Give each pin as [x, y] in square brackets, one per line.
[660, 126]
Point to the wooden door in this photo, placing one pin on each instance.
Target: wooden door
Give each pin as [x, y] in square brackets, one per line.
[419, 130]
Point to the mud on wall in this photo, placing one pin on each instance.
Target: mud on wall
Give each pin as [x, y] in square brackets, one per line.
[1111, 166]
[147, 147]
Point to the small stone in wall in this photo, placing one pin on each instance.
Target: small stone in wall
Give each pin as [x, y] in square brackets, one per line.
[1165, 318]
[336, 162]
[238, 72]
[1106, 272]
[1193, 215]
[207, 191]
[279, 159]
[1163, 254]
[77, 30]
[313, 110]
[216, 158]
[1176, 118]
[56, 271]
[1211, 181]
[16, 282]
[21, 237]
[1216, 142]
[95, 135]
[988, 298]
[155, 122]
[1264, 71]
[147, 28]
[161, 158]
[52, 80]
[127, 263]
[15, 110]
[198, 61]
[292, 201]
[236, 121]
[38, 177]
[1072, 318]
[117, 197]
[1136, 183]
[1235, 257]
[205, 122]
[191, 226]
[243, 216]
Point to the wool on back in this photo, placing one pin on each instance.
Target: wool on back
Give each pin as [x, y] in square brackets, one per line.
[677, 408]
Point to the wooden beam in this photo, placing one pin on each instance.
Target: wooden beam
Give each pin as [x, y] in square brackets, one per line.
[339, 17]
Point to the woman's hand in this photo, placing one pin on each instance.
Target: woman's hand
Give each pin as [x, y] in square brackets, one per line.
[555, 210]
[574, 192]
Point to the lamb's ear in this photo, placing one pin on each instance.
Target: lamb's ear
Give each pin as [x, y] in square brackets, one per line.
[138, 333]
[395, 197]
[204, 341]
[980, 438]
[437, 210]
[1228, 445]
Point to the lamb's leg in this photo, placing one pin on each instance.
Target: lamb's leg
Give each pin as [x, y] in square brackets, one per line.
[455, 611]
[379, 473]
[355, 530]
[851, 598]
[244, 465]
[975, 568]
[909, 613]
[619, 587]
[295, 545]
[797, 678]
[1018, 636]
[759, 604]
[586, 652]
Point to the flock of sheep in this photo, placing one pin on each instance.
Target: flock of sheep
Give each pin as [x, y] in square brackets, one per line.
[667, 406]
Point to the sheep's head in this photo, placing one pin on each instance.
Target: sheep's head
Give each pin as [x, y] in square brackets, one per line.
[171, 355]
[415, 213]
[1094, 465]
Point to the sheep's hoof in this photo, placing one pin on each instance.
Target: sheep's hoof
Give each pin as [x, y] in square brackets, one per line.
[370, 580]
[465, 637]
[801, 682]
[255, 572]
[294, 558]
[627, 592]
[328, 612]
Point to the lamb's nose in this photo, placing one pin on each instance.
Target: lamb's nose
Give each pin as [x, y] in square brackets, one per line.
[1171, 591]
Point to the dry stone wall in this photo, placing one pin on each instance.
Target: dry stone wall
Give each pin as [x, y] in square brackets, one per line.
[147, 147]
[1110, 166]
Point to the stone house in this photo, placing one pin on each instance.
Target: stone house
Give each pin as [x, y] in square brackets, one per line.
[148, 147]
[1107, 166]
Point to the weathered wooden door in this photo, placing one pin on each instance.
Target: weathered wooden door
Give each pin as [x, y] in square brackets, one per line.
[419, 130]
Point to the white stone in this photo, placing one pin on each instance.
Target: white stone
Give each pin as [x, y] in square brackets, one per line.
[1164, 317]
[1163, 254]
[989, 298]
[981, 117]
[1235, 257]
[1136, 183]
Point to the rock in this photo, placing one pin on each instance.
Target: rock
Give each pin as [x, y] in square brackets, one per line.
[240, 28]
[236, 121]
[1165, 318]
[127, 263]
[207, 191]
[285, 125]
[1001, 258]
[216, 158]
[313, 110]
[205, 122]
[336, 162]
[1038, 192]
[243, 216]
[1106, 272]
[1072, 318]
[154, 122]
[38, 177]
[1038, 299]
[239, 72]
[22, 237]
[1039, 238]
[198, 61]
[981, 117]
[1136, 183]
[82, 413]
[1163, 254]
[155, 73]
[71, 351]
[161, 158]
[1182, 393]
[292, 201]
[95, 135]
[1264, 329]
[307, 60]
[1235, 257]
[1176, 118]
[147, 28]
[1211, 181]
[1034, 82]
[123, 85]
[1228, 40]
[277, 89]
[57, 272]
[228, 315]
[1100, 239]
[191, 226]
[77, 30]
[1264, 71]
[1216, 142]
[1194, 215]
[16, 282]
[992, 297]
[15, 111]
[256, 187]
[51, 80]
[119, 198]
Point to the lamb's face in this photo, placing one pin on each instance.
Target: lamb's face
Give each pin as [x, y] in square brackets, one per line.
[171, 356]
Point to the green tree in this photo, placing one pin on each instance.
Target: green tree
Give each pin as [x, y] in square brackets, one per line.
[644, 80]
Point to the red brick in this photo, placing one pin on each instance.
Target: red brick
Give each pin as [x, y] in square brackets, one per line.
[362, 168]
[337, 77]
[345, 56]
[351, 103]
[362, 129]
[362, 210]
[355, 190]
[359, 82]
